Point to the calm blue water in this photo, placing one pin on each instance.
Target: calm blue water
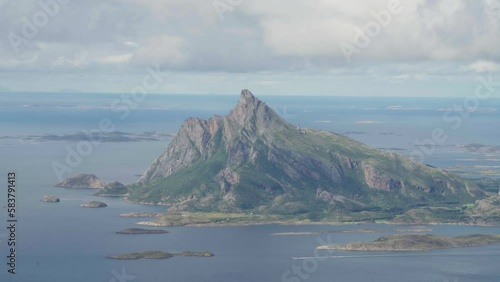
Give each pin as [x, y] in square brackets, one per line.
[63, 242]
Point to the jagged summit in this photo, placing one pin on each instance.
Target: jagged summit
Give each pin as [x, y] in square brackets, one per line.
[247, 95]
[250, 110]
[254, 160]
[248, 100]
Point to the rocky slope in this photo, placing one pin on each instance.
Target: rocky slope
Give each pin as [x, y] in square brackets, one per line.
[252, 160]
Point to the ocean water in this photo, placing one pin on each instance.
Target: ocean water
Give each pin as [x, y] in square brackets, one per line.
[63, 242]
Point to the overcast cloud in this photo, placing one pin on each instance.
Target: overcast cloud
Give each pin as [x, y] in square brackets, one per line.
[276, 47]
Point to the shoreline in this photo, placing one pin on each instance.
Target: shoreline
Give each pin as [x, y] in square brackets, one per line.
[126, 200]
[290, 222]
[146, 223]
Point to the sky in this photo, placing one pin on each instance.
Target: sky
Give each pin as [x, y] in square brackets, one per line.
[272, 47]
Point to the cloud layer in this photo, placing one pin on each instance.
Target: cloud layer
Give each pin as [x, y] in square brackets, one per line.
[424, 37]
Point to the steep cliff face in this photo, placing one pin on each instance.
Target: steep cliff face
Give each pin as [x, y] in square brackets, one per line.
[254, 160]
[189, 145]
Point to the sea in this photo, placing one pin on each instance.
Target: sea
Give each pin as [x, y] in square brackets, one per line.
[65, 242]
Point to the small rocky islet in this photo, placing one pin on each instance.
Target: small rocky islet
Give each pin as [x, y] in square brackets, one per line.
[94, 204]
[50, 199]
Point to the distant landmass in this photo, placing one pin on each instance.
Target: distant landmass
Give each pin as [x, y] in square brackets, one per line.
[107, 137]
[254, 161]
[160, 255]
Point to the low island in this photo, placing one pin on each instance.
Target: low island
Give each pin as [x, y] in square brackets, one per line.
[160, 255]
[141, 231]
[50, 199]
[417, 242]
[94, 204]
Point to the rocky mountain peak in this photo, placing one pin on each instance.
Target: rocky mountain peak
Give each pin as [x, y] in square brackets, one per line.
[247, 105]
[246, 95]
[251, 111]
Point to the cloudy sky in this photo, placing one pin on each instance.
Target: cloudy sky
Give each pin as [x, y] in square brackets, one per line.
[280, 47]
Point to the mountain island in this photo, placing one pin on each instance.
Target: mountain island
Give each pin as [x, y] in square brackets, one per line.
[252, 161]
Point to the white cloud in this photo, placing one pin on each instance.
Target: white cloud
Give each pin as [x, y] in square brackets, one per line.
[482, 66]
[428, 39]
[168, 10]
[430, 30]
[114, 59]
